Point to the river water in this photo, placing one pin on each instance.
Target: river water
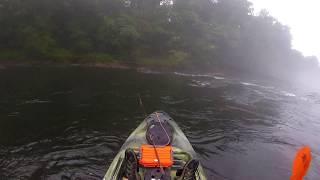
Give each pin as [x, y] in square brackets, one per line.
[69, 122]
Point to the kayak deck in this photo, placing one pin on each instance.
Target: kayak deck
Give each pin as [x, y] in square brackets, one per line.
[182, 150]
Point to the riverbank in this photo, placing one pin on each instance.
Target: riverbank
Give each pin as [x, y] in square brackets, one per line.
[6, 64]
[221, 71]
[140, 67]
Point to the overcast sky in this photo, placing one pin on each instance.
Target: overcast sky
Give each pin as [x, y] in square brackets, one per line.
[303, 18]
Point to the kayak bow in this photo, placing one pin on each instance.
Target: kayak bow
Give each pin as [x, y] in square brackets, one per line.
[182, 151]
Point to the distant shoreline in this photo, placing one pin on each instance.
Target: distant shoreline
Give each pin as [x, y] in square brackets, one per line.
[4, 65]
[221, 71]
[111, 65]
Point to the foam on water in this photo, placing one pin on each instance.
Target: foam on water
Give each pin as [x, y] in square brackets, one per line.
[218, 77]
[288, 94]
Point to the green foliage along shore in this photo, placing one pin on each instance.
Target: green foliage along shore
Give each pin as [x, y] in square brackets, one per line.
[178, 33]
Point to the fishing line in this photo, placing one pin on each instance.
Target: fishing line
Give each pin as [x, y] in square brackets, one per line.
[168, 137]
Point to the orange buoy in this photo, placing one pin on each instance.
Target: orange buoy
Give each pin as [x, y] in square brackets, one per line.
[301, 163]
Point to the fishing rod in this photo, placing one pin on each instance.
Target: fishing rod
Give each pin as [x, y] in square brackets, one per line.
[142, 106]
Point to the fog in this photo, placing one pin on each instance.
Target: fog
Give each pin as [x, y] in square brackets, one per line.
[302, 18]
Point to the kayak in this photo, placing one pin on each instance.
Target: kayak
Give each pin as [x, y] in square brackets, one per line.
[182, 150]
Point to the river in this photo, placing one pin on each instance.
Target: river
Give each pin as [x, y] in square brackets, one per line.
[69, 122]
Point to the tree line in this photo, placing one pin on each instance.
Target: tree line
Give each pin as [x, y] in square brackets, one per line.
[199, 34]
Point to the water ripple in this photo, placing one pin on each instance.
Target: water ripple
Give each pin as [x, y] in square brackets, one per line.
[74, 151]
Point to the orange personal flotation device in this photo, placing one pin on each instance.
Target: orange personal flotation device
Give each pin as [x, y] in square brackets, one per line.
[153, 156]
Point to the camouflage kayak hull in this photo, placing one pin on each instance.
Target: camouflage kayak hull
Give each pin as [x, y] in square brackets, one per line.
[182, 150]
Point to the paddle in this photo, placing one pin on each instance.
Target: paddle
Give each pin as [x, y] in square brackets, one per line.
[301, 163]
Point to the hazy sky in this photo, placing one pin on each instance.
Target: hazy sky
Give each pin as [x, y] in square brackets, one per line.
[303, 18]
